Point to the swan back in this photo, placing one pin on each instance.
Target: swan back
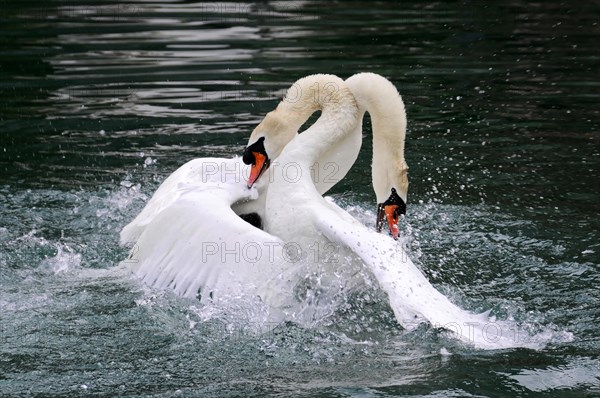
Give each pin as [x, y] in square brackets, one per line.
[224, 178]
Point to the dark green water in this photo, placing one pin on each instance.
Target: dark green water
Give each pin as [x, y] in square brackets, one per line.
[99, 102]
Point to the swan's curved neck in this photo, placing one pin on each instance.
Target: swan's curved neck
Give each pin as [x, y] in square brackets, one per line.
[331, 96]
[292, 189]
[379, 97]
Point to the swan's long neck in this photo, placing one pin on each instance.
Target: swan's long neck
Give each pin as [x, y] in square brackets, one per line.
[293, 196]
[339, 117]
[379, 97]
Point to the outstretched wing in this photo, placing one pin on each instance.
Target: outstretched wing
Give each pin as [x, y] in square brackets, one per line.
[189, 239]
[199, 247]
[412, 298]
[198, 174]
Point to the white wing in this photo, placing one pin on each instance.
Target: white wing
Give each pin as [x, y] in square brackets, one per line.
[203, 174]
[199, 247]
[412, 298]
[189, 239]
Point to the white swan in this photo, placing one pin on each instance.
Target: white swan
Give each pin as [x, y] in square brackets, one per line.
[200, 235]
[305, 217]
[173, 238]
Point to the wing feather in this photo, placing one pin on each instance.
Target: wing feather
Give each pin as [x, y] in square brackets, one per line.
[412, 297]
[198, 245]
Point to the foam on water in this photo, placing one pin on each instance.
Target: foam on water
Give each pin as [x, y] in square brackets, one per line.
[510, 327]
[95, 315]
[65, 260]
[65, 255]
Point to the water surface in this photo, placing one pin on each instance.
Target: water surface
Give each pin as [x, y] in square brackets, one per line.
[100, 101]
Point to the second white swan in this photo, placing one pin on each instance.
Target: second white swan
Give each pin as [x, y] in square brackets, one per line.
[297, 213]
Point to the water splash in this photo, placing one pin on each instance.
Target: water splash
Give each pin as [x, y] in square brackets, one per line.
[65, 260]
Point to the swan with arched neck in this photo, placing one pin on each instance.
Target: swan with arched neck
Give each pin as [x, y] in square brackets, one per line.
[297, 212]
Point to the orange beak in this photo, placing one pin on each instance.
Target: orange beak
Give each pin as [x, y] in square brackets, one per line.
[261, 163]
[392, 218]
[390, 213]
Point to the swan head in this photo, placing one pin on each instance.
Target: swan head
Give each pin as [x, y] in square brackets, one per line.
[279, 127]
[256, 156]
[390, 211]
[266, 143]
[390, 181]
